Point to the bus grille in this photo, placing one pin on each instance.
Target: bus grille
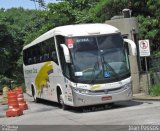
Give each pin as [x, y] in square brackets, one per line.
[107, 91]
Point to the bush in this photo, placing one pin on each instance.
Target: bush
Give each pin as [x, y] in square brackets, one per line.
[4, 81]
[155, 90]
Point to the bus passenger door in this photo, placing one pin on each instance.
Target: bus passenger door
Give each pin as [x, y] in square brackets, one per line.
[63, 66]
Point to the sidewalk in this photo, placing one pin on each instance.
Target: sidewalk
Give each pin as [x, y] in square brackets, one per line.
[143, 96]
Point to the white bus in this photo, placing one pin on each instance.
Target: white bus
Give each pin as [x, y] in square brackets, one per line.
[78, 65]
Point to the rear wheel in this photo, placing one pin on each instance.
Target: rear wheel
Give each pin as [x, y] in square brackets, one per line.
[34, 95]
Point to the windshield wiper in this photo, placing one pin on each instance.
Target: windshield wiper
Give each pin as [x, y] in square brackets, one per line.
[104, 64]
[93, 72]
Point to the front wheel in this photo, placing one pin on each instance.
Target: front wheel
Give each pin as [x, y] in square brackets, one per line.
[61, 101]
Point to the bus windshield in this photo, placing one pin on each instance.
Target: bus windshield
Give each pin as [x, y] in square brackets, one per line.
[99, 59]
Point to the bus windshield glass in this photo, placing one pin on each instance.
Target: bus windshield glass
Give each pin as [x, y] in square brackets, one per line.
[99, 59]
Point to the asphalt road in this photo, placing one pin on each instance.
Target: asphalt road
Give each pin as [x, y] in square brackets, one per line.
[130, 115]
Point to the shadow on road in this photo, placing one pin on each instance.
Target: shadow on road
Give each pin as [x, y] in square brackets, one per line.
[110, 106]
[48, 103]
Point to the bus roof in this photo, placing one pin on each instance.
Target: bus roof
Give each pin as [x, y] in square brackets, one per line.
[76, 30]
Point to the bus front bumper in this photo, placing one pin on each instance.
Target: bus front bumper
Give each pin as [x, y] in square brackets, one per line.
[86, 99]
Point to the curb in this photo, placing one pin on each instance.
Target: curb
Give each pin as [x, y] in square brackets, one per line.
[146, 98]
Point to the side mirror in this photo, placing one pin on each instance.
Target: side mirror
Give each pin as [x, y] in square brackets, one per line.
[66, 53]
[132, 46]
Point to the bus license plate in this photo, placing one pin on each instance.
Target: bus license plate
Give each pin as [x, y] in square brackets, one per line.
[106, 98]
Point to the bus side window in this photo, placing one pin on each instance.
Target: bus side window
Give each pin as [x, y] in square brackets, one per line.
[37, 53]
[30, 61]
[34, 60]
[30, 56]
[53, 56]
[25, 57]
[42, 52]
[52, 51]
[40, 58]
[46, 57]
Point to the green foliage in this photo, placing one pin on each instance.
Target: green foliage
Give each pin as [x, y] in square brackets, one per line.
[156, 54]
[60, 14]
[155, 90]
[19, 27]
[148, 27]
[12, 34]
[35, 26]
[4, 81]
[5, 48]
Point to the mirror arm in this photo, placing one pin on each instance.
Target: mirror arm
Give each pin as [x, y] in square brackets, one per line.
[66, 53]
[132, 45]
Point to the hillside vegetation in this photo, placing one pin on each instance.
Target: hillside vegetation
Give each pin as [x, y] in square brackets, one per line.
[19, 26]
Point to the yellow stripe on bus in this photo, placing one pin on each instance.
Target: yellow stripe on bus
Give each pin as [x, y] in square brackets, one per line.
[95, 87]
[43, 76]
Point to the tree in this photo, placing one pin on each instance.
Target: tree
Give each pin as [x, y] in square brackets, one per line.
[19, 27]
[5, 47]
[13, 26]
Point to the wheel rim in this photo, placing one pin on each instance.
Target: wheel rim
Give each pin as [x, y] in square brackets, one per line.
[61, 101]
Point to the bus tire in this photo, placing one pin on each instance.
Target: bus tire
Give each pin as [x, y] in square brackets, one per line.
[110, 105]
[61, 101]
[36, 100]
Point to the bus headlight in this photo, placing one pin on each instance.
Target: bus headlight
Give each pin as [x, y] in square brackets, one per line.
[128, 85]
[79, 90]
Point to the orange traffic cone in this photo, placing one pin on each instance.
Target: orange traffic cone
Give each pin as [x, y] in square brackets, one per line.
[13, 107]
[21, 102]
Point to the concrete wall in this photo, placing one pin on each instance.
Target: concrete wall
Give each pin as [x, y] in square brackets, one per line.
[145, 82]
[125, 25]
[134, 74]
